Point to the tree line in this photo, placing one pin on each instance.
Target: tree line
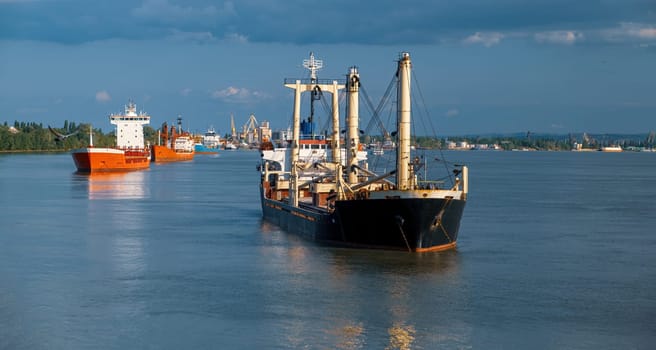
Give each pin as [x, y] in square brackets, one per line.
[31, 136]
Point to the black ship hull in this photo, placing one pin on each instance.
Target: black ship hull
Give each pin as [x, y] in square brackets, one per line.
[410, 224]
[337, 200]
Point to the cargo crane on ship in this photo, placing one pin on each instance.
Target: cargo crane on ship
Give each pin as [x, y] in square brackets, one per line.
[387, 142]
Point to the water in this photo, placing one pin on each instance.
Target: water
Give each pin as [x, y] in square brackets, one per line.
[556, 250]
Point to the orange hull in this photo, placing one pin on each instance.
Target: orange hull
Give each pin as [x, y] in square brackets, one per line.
[165, 154]
[103, 160]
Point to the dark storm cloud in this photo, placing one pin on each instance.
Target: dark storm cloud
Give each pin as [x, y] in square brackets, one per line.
[302, 22]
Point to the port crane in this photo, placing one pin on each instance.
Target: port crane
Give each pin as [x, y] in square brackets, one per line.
[649, 141]
[233, 132]
[250, 132]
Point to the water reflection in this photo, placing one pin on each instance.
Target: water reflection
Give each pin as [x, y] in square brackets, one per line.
[114, 185]
[349, 336]
[365, 298]
[438, 264]
[401, 337]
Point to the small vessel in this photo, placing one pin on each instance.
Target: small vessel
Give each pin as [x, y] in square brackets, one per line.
[174, 144]
[130, 152]
[612, 148]
[210, 143]
[340, 201]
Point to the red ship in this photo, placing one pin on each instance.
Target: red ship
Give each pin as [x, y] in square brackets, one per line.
[176, 145]
[130, 152]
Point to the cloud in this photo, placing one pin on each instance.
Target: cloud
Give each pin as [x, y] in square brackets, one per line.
[195, 37]
[486, 39]
[185, 92]
[236, 38]
[563, 37]
[205, 37]
[103, 96]
[237, 95]
[647, 33]
[478, 22]
[629, 31]
[637, 30]
[163, 11]
[452, 112]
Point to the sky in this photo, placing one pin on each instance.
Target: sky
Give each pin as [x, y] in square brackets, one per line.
[482, 66]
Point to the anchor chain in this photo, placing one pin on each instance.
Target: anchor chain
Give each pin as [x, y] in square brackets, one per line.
[399, 223]
[439, 219]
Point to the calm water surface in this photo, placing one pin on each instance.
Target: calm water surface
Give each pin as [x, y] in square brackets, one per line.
[556, 251]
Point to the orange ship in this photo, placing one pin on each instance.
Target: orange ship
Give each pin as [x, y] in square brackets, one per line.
[130, 152]
[175, 145]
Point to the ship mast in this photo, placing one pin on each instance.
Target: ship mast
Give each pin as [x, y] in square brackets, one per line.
[352, 137]
[403, 127]
[313, 65]
[314, 85]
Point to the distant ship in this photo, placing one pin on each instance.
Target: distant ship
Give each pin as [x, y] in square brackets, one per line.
[229, 146]
[210, 143]
[340, 201]
[612, 148]
[130, 152]
[175, 144]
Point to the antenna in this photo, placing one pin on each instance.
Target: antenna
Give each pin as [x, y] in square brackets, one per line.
[313, 65]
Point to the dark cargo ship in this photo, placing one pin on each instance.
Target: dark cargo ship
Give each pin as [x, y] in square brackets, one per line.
[337, 200]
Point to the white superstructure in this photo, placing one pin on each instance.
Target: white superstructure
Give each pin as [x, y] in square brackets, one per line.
[211, 139]
[129, 127]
